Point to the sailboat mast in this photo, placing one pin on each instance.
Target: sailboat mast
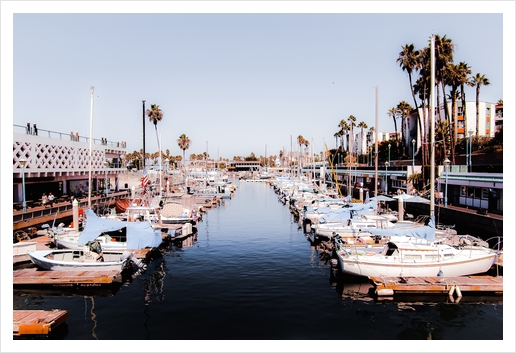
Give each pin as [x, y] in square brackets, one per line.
[375, 135]
[91, 147]
[432, 126]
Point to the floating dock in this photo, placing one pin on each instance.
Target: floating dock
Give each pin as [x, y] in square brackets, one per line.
[452, 286]
[37, 322]
[76, 279]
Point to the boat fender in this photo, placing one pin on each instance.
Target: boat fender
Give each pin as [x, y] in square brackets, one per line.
[451, 291]
[385, 292]
[458, 292]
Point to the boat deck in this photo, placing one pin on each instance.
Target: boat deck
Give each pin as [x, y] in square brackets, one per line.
[37, 322]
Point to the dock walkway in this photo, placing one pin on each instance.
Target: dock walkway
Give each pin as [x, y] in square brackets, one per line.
[453, 286]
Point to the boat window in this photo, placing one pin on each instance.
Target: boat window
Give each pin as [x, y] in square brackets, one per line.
[432, 257]
[412, 257]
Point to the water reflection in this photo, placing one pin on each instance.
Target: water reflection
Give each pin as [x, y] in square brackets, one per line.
[93, 315]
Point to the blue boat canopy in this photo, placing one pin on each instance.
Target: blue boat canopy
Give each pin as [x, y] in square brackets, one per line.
[139, 235]
[423, 232]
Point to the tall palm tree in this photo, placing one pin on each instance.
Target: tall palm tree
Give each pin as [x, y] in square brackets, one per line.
[477, 81]
[300, 141]
[409, 60]
[184, 143]
[155, 115]
[344, 128]
[373, 140]
[404, 110]
[393, 113]
[444, 49]
[362, 125]
[352, 122]
[464, 71]
[306, 143]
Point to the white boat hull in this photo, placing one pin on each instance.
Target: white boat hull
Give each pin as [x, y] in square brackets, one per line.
[366, 265]
[76, 259]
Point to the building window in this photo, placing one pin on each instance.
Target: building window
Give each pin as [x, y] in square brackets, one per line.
[478, 193]
[463, 191]
[485, 193]
[470, 191]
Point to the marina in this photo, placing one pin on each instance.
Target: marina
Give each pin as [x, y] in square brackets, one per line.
[208, 273]
[251, 182]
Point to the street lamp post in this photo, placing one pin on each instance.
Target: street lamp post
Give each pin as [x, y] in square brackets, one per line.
[389, 154]
[386, 165]
[413, 145]
[23, 161]
[446, 166]
[106, 163]
[370, 154]
[467, 154]
[470, 149]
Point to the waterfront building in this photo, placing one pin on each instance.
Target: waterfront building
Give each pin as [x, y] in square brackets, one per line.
[490, 120]
[60, 163]
[481, 188]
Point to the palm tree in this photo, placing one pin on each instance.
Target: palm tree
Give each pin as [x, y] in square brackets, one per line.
[352, 122]
[306, 143]
[409, 60]
[464, 71]
[300, 141]
[373, 141]
[444, 55]
[184, 143]
[477, 81]
[362, 125]
[155, 115]
[404, 110]
[393, 112]
[456, 77]
[344, 128]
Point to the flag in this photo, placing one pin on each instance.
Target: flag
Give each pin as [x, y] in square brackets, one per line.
[145, 180]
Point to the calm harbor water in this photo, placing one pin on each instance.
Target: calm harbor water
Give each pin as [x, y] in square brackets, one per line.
[251, 274]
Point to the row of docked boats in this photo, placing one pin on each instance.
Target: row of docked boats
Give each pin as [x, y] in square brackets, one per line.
[109, 241]
[367, 241]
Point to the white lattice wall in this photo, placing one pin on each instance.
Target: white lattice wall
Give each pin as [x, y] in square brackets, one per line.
[51, 157]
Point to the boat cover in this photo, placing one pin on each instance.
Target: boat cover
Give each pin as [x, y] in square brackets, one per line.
[139, 234]
[423, 232]
[344, 213]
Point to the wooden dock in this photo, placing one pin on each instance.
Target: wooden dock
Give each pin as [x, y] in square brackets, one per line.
[37, 322]
[76, 279]
[452, 286]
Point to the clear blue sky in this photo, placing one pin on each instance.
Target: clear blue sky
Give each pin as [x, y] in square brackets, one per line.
[237, 83]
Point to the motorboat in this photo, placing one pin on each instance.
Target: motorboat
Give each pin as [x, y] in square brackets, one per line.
[69, 259]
